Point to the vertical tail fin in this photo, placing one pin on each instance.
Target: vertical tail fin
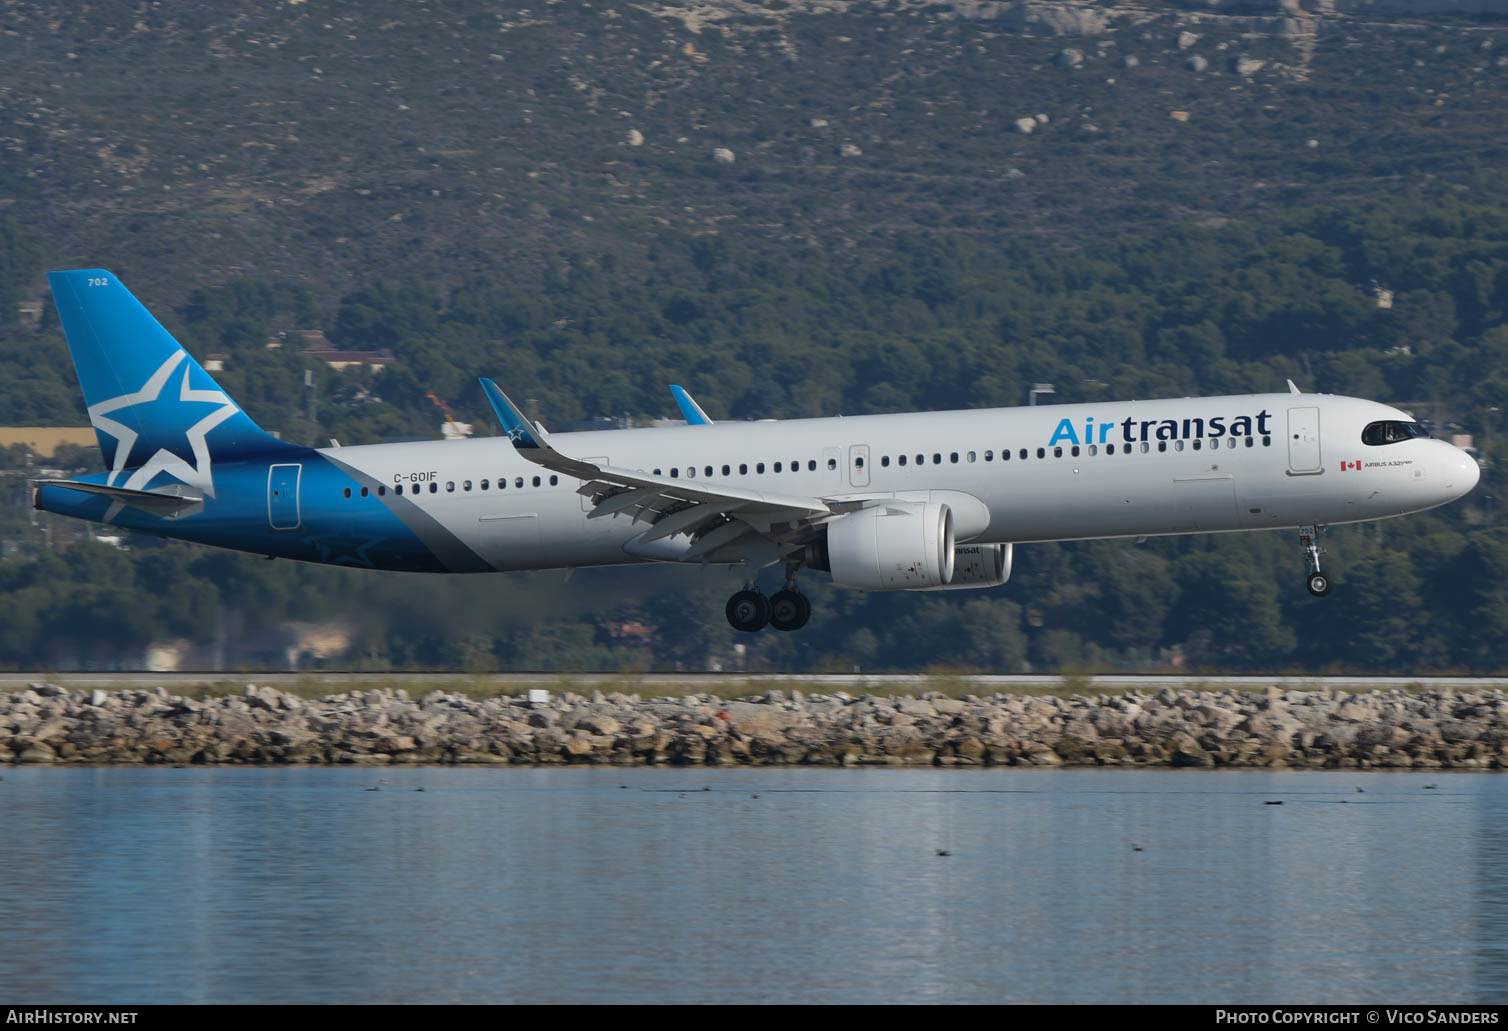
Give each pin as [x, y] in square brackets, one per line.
[154, 408]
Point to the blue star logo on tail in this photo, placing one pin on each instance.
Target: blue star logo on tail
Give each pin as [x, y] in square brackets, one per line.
[200, 472]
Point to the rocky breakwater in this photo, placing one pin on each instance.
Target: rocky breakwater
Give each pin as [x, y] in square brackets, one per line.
[1394, 729]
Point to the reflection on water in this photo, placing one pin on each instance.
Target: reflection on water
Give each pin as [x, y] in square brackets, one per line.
[595, 885]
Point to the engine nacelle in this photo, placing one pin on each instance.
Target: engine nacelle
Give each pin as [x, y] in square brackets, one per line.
[892, 546]
[977, 566]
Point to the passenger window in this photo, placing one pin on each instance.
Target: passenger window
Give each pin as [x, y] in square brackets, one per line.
[554, 480]
[518, 481]
[434, 486]
[536, 481]
[953, 458]
[743, 469]
[884, 461]
[1162, 445]
[1093, 450]
[1057, 452]
[936, 458]
[1041, 452]
[727, 471]
[970, 456]
[796, 466]
[1109, 449]
[901, 459]
[1178, 445]
[657, 472]
[1267, 442]
[675, 474]
[1074, 451]
[450, 486]
[348, 492]
[1248, 441]
[858, 463]
[759, 467]
[1145, 447]
[1005, 454]
[466, 485]
[777, 467]
[1230, 443]
[811, 465]
[484, 484]
[989, 456]
[832, 463]
[381, 491]
[1195, 445]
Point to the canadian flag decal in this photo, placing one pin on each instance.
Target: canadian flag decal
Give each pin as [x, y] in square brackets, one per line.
[1350, 465]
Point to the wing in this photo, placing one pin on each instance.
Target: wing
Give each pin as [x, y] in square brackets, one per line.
[711, 515]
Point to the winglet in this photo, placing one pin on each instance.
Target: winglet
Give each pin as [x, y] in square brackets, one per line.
[689, 408]
[1293, 388]
[514, 424]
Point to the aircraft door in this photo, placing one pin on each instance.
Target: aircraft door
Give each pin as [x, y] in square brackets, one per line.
[858, 465]
[282, 496]
[1304, 441]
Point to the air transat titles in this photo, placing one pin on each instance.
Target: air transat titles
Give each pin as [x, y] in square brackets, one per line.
[1132, 430]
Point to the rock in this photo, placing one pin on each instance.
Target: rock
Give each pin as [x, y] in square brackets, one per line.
[1197, 63]
[98, 698]
[634, 138]
[723, 156]
[848, 150]
[1025, 125]
[1036, 19]
[1247, 65]
[599, 725]
[1069, 57]
[49, 690]
[818, 123]
[1186, 39]
[1130, 61]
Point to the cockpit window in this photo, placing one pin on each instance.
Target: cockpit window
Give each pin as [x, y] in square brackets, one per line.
[1391, 432]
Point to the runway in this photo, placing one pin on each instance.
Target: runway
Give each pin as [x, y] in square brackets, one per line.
[736, 684]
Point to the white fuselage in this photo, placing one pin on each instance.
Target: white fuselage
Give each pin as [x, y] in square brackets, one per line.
[1114, 469]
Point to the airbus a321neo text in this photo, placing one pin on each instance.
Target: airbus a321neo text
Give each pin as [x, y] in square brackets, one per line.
[920, 501]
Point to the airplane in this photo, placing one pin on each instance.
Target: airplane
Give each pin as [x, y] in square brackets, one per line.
[917, 501]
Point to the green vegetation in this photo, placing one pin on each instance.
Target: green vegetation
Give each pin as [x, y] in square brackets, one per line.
[459, 187]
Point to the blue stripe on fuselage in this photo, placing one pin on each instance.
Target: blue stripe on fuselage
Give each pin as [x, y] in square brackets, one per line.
[357, 531]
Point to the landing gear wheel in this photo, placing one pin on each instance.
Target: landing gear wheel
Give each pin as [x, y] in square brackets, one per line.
[789, 610]
[1319, 583]
[748, 611]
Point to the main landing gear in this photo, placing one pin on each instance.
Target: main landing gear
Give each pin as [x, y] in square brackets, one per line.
[750, 611]
[1319, 583]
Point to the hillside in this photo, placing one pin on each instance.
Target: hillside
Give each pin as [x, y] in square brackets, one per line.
[331, 143]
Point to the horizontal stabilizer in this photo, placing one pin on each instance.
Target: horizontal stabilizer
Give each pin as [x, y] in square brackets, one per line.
[159, 502]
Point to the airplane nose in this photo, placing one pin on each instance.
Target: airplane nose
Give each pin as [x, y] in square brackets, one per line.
[1464, 474]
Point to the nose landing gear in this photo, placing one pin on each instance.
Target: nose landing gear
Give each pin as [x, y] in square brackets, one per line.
[1318, 583]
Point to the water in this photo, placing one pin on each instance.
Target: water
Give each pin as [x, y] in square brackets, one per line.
[557, 885]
